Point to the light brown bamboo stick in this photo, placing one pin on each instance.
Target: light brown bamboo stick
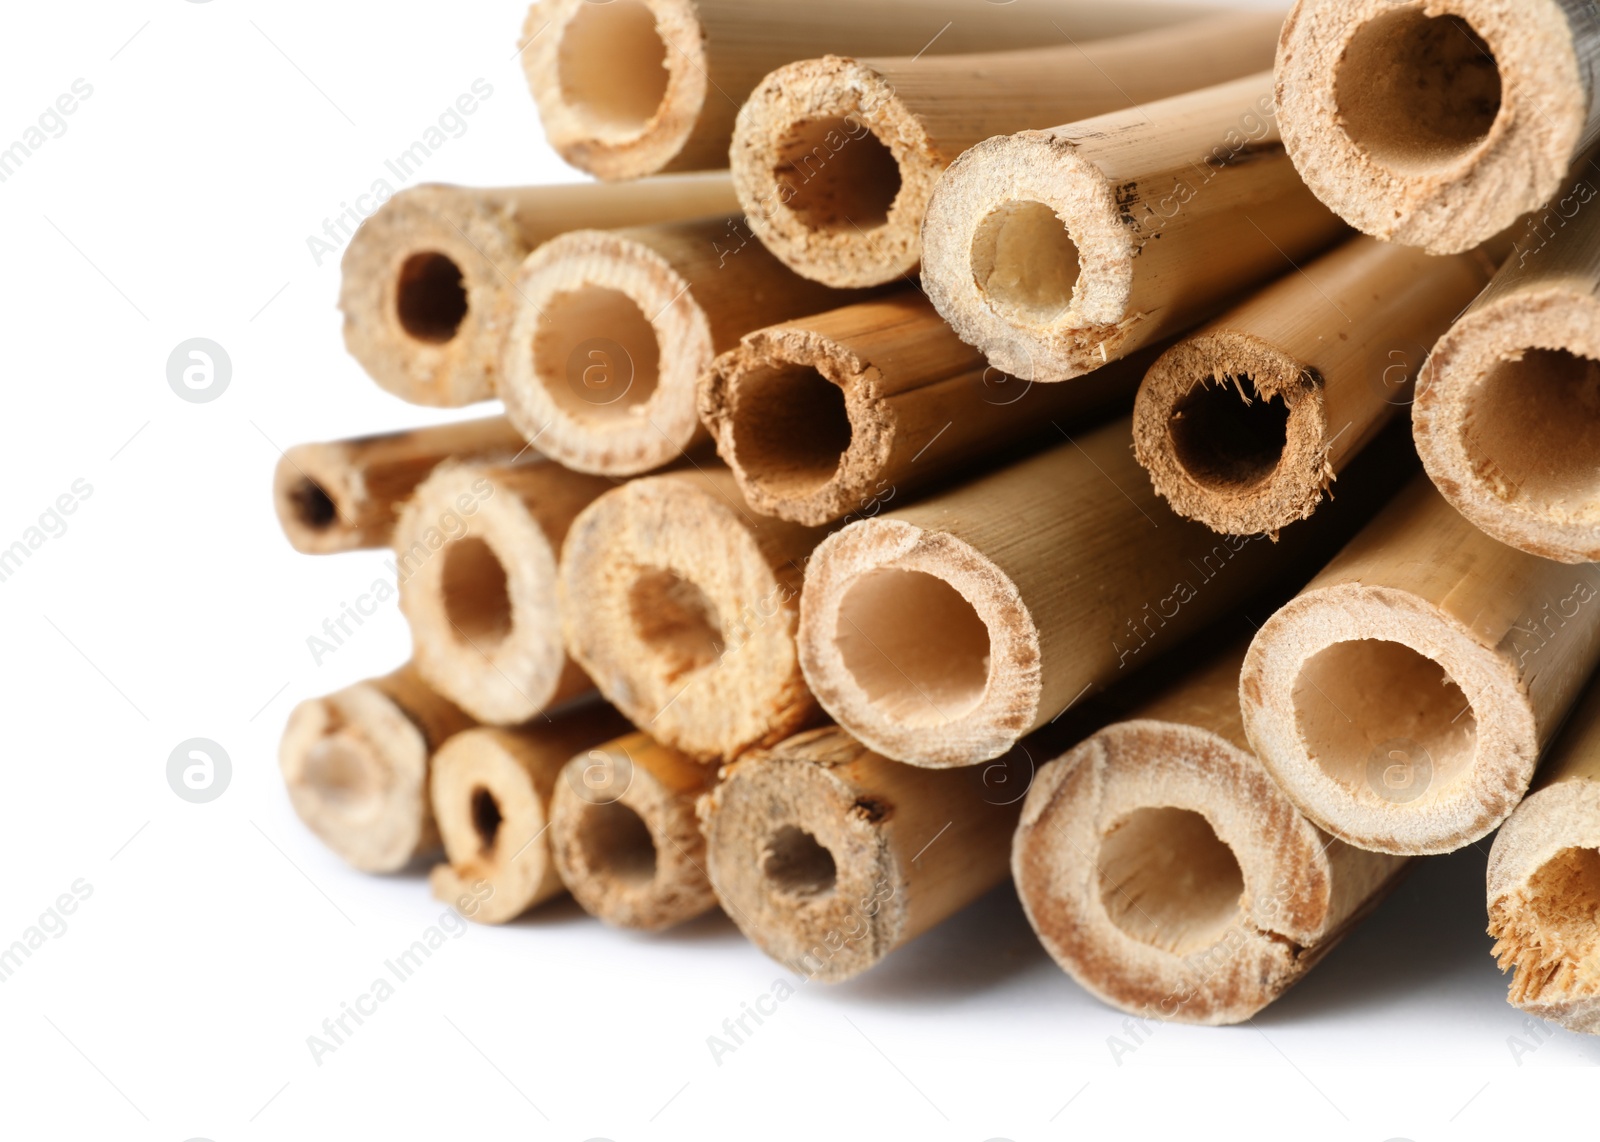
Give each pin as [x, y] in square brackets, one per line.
[1403, 697]
[834, 158]
[625, 836]
[356, 763]
[681, 604]
[1056, 251]
[1436, 125]
[426, 294]
[1246, 424]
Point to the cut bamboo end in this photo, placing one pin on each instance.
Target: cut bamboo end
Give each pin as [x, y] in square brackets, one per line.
[1437, 125]
[356, 766]
[682, 607]
[625, 835]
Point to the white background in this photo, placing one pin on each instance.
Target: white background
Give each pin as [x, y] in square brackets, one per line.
[178, 1002]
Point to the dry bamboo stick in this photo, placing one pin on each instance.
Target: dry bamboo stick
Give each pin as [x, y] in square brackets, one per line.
[631, 87]
[476, 557]
[1056, 251]
[1165, 871]
[848, 410]
[681, 604]
[1437, 124]
[356, 766]
[492, 791]
[1246, 424]
[613, 328]
[834, 158]
[1403, 697]
[625, 836]
[426, 295]
[1544, 883]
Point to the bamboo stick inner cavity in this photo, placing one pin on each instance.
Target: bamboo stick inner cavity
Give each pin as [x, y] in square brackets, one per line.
[1025, 263]
[676, 620]
[312, 505]
[616, 842]
[474, 591]
[798, 864]
[486, 818]
[791, 429]
[430, 299]
[846, 187]
[1533, 428]
[576, 354]
[612, 68]
[346, 773]
[1168, 880]
[1226, 439]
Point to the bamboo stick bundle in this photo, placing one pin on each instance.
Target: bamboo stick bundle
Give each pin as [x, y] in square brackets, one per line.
[632, 87]
[356, 762]
[625, 835]
[1402, 699]
[492, 790]
[1437, 125]
[1544, 883]
[1056, 251]
[476, 556]
[834, 158]
[682, 606]
[1245, 424]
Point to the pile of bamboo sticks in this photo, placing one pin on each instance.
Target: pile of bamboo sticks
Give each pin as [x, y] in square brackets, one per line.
[796, 584]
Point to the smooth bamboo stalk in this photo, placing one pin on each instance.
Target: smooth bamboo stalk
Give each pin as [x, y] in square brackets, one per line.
[1402, 699]
[1056, 251]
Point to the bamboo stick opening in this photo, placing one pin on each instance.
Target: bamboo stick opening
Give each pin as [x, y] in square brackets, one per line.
[616, 842]
[347, 773]
[852, 187]
[486, 818]
[597, 355]
[1025, 263]
[1168, 880]
[797, 864]
[474, 591]
[613, 68]
[676, 621]
[1533, 425]
[430, 299]
[1227, 440]
[791, 429]
[310, 505]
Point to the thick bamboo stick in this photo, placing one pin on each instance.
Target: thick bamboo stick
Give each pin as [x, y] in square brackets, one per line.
[426, 292]
[1437, 124]
[625, 835]
[682, 604]
[1056, 251]
[1403, 697]
[834, 158]
[1246, 424]
[356, 766]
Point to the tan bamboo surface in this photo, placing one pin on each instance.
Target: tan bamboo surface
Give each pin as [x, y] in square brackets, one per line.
[356, 766]
[829, 856]
[849, 410]
[681, 604]
[632, 87]
[344, 495]
[1544, 883]
[426, 280]
[476, 554]
[1246, 424]
[613, 328]
[1402, 699]
[1507, 419]
[1056, 251]
[1165, 871]
[1437, 125]
[834, 158]
[492, 790]
[625, 836]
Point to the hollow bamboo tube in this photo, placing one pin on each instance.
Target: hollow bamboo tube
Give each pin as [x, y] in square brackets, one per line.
[1544, 883]
[625, 836]
[851, 409]
[632, 87]
[613, 328]
[343, 495]
[1246, 424]
[1165, 871]
[1403, 697]
[1056, 251]
[476, 558]
[1437, 124]
[829, 856]
[834, 159]
[426, 280]
[681, 604]
[356, 766]
[492, 792]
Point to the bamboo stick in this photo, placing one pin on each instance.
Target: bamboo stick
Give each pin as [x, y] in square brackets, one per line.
[625, 836]
[1056, 251]
[1403, 697]
[1246, 424]
[834, 158]
[426, 295]
[682, 605]
[356, 763]
[1436, 125]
